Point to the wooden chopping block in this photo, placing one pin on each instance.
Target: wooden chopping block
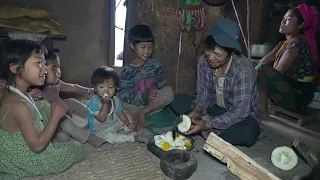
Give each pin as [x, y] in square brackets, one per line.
[309, 156]
[237, 162]
[302, 120]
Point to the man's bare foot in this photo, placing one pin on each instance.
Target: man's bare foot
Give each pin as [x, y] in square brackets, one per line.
[142, 119]
[95, 141]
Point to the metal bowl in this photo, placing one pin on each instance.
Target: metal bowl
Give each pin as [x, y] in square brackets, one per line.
[260, 50]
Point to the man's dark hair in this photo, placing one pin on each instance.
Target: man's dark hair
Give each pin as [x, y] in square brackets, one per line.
[210, 44]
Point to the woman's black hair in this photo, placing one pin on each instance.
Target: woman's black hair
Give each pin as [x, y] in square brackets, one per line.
[104, 73]
[17, 52]
[51, 56]
[210, 44]
[300, 19]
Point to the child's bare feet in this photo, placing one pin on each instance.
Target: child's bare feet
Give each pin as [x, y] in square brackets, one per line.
[134, 133]
[95, 141]
[142, 119]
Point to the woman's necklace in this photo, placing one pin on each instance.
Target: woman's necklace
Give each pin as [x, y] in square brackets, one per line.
[281, 51]
[30, 100]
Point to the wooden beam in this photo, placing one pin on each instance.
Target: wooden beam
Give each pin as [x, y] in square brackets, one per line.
[237, 162]
[111, 5]
[302, 120]
[309, 156]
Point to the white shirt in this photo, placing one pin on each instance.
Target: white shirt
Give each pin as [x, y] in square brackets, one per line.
[220, 85]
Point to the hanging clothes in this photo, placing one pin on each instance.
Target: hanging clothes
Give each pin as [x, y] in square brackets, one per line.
[192, 13]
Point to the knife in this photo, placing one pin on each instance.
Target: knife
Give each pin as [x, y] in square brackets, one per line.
[177, 121]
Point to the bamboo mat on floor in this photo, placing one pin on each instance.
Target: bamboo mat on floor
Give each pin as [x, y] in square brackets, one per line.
[117, 162]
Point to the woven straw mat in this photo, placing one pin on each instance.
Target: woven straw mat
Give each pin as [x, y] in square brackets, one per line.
[127, 161]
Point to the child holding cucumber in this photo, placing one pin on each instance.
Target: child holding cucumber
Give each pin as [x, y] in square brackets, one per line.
[106, 116]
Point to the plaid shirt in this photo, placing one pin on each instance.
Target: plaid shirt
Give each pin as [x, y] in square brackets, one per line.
[240, 92]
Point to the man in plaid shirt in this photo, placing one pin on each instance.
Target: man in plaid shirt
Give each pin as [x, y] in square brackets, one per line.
[227, 101]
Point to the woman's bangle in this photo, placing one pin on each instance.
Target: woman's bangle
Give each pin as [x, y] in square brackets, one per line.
[260, 64]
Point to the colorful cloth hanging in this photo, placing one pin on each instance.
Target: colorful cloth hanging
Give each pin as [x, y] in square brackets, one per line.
[192, 13]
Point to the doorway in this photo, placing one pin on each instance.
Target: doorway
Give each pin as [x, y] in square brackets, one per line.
[120, 23]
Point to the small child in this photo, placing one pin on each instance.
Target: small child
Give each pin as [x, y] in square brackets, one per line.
[105, 112]
[53, 86]
[143, 87]
[26, 129]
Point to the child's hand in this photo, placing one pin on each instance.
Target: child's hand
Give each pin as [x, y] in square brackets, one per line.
[58, 109]
[90, 93]
[36, 94]
[152, 94]
[131, 126]
[106, 100]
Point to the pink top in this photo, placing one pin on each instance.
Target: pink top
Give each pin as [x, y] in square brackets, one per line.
[310, 17]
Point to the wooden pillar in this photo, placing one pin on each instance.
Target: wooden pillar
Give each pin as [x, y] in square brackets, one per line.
[111, 23]
[258, 19]
[130, 22]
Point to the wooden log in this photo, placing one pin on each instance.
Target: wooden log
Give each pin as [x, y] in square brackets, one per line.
[302, 120]
[237, 162]
[309, 156]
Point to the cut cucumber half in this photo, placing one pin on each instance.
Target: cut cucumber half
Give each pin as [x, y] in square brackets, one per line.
[185, 125]
[284, 158]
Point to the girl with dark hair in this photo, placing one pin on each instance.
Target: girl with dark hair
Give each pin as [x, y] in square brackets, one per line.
[25, 130]
[287, 73]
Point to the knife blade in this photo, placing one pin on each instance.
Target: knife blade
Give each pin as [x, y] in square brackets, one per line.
[177, 121]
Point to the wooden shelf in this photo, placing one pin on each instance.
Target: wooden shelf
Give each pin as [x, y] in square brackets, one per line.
[4, 34]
